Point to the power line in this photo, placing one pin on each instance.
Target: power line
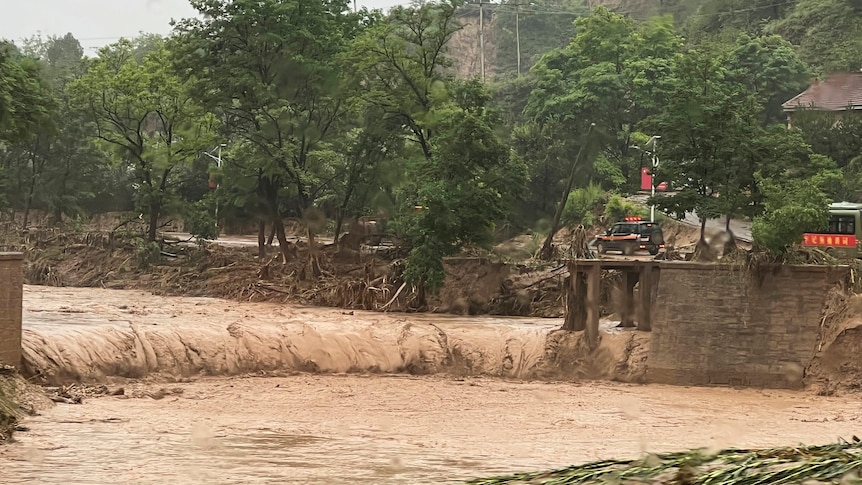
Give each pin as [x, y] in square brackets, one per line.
[507, 7]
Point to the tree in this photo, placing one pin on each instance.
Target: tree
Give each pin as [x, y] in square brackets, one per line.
[369, 151]
[837, 136]
[768, 68]
[24, 100]
[27, 121]
[402, 64]
[59, 168]
[146, 113]
[715, 135]
[705, 130]
[271, 69]
[614, 73]
[793, 206]
[463, 188]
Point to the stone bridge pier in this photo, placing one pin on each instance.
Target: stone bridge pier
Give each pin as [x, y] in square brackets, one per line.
[11, 298]
[584, 293]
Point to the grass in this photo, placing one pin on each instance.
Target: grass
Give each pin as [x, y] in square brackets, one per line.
[836, 463]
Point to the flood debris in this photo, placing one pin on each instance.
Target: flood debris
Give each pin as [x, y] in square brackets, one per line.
[835, 463]
[75, 393]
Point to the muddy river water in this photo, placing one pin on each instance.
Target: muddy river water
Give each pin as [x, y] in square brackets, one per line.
[369, 428]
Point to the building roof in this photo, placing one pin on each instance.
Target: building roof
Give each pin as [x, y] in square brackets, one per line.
[838, 92]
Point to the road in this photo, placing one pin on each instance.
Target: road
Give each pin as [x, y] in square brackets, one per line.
[741, 229]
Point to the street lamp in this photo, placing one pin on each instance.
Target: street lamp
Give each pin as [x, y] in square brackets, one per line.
[653, 155]
[654, 140]
[218, 161]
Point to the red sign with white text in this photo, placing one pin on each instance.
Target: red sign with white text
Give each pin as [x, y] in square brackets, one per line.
[830, 240]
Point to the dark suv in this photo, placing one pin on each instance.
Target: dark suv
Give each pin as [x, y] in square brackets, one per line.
[630, 235]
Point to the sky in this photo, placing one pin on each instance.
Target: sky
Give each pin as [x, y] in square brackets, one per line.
[99, 22]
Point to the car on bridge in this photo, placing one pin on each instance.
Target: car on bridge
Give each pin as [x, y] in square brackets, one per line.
[630, 235]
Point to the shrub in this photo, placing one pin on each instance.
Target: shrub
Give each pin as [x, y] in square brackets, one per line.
[581, 205]
[618, 208]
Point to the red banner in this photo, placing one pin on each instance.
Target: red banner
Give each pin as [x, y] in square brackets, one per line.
[829, 240]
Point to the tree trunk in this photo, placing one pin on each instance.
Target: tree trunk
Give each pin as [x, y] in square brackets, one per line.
[29, 201]
[261, 239]
[271, 235]
[339, 220]
[27, 211]
[154, 222]
[282, 239]
[727, 223]
[421, 302]
[703, 229]
[547, 248]
[313, 262]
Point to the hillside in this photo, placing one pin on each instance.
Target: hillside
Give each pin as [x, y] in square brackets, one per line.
[827, 34]
[541, 26]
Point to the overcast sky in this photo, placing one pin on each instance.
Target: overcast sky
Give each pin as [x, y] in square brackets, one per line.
[99, 22]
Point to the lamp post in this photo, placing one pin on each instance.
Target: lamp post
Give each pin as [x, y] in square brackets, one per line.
[218, 161]
[654, 141]
[654, 162]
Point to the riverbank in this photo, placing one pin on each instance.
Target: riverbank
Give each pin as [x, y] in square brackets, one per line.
[18, 399]
[9, 410]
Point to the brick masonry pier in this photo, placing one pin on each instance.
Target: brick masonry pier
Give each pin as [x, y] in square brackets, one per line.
[11, 296]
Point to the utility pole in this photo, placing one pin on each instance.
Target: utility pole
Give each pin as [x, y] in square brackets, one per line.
[518, 34]
[482, 39]
[218, 162]
[652, 175]
[547, 247]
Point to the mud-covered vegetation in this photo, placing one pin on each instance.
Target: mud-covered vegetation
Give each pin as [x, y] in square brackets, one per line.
[18, 398]
[837, 463]
[9, 412]
[476, 282]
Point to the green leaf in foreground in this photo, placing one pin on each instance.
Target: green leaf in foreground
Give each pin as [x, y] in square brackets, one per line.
[836, 463]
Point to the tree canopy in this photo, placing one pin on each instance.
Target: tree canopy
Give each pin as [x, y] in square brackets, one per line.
[264, 110]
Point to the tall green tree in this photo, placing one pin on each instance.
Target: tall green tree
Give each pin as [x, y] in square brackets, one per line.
[271, 70]
[467, 185]
[402, 65]
[793, 206]
[715, 136]
[614, 73]
[27, 118]
[25, 103]
[704, 129]
[145, 112]
[60, 168]
[769, 68]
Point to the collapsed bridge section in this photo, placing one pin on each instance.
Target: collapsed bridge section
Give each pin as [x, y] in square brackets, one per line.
[715, 324]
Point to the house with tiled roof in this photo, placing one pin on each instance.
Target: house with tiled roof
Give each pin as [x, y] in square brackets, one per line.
[837, 93]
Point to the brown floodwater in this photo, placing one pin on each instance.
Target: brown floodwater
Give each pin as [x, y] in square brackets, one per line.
[377, 429]
[257, 419]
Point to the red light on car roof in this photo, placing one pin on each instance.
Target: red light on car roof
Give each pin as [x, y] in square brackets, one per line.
[633, 219]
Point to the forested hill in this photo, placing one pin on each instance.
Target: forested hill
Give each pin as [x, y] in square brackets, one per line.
[827, 34]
